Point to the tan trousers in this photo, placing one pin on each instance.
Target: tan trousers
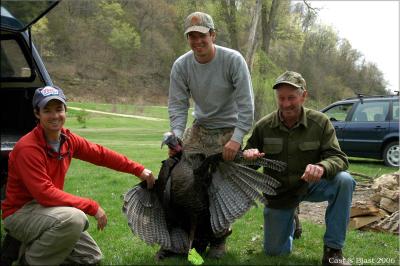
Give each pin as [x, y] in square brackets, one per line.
[53, 235]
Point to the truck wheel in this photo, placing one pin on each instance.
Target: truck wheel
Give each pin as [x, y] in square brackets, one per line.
[391, 154]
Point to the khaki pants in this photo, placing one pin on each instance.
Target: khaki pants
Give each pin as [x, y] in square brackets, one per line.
[53, 235]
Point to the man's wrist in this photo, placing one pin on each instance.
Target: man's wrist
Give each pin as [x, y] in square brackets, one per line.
[238, 135]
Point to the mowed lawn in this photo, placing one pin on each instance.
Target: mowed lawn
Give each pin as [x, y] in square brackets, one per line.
[140, 140]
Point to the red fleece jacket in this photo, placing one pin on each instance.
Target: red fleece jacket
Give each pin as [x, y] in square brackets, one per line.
[35, 172]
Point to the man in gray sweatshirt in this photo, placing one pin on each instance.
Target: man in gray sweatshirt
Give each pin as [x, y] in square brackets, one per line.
[219, 82]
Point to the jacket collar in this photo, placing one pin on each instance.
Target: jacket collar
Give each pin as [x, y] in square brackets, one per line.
[40, 136]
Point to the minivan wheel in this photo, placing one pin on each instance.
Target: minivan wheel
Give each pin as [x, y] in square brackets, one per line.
[391, 154]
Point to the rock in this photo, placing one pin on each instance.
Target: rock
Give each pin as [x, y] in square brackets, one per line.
[387, 192]
[389, 181]
[362, 208]
[358, 222]
[389, 205]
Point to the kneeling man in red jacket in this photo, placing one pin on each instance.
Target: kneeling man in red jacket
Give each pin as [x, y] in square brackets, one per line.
[51, 223]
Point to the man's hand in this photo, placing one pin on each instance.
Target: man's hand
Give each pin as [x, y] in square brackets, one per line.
[230, 150]
[101, 218]
[313, 173]
[148, 176]
[252, 154]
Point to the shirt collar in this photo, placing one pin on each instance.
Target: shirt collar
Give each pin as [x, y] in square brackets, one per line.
[278, 120]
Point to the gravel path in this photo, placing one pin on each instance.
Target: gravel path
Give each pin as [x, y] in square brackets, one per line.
[315, 211]
[115, 114]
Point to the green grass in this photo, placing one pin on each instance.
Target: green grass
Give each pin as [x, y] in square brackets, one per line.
[370, 167]
[140, 140]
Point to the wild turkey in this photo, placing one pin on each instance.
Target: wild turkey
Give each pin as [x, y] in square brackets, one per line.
[195, 198]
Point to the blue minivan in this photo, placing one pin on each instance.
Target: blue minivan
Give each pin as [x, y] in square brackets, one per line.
[368, 126]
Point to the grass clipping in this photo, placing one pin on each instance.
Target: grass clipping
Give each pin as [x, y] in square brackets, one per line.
[194, 257]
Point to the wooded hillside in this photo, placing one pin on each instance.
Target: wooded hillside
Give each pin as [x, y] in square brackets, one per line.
[122, 51]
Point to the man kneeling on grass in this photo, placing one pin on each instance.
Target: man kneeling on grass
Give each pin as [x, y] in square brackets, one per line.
[50, 223]
[306, 140]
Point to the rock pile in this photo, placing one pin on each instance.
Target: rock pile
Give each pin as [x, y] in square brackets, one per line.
[381, 212]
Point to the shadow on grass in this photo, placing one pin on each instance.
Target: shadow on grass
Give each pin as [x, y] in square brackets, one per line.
[366, 161]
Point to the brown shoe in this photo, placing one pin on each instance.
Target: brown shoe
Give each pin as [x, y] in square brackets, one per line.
[164, 253]
[217, 246]
[216, 251]
[334, 257]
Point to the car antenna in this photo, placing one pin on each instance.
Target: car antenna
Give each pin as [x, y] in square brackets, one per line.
[360, 96]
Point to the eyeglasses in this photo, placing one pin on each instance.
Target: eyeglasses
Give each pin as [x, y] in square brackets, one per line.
[51, 153]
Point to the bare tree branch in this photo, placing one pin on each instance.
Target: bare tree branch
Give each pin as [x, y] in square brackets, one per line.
[314, 9]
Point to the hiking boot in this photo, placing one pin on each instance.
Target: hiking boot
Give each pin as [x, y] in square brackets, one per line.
[334, 257]
[216, 251]
[217, 246]
[9, 250]
[297, 224]
[163, 253]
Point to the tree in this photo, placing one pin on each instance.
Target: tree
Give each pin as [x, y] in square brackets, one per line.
[131, 45]
[120, 34]
[40, 31]
[268, 23]
[253, 40]
[229, 14]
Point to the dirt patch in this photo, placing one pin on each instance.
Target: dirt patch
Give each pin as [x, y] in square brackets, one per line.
[315, 211]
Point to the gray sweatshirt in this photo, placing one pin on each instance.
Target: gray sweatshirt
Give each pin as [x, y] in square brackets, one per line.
[221, 90]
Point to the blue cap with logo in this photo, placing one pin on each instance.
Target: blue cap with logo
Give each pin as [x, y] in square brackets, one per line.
[43, 95]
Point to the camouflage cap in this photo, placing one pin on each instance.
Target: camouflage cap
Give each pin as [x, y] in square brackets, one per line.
[198, 21]
[292, 78]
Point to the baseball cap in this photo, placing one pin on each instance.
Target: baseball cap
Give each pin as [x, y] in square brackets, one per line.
[198, 21]
[292, 78]
[43, 95]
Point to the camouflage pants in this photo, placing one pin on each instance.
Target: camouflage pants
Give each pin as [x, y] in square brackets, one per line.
[198, 139]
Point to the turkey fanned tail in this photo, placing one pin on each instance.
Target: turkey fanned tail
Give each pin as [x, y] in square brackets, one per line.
[233, 190]
[264, 162]
[146, 217]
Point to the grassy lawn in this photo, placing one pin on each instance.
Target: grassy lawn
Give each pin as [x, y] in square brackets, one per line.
[140, 140]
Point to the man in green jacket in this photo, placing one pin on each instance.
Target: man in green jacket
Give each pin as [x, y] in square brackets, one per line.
[306, 140]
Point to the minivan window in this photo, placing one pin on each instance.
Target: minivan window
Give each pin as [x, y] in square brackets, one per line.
[13, 61]
[371, 111]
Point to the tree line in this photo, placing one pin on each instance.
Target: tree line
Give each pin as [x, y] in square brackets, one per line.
[123, 50]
